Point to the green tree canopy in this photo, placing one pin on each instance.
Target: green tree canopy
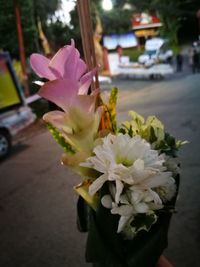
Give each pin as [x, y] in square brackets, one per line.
[8, 30]
[29, 11]
[171, 12]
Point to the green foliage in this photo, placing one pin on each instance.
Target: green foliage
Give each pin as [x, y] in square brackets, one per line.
[132, 53]
[176, 49]
[171, 13]
[8, 30]
[152, 130]
[116, 21]
[29, 11]
[169, 145]
[45, 9]
[112, 108]
[58, 34]
[143, 222]
[60, 139]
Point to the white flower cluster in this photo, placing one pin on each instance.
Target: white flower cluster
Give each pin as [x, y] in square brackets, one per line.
[139, 183]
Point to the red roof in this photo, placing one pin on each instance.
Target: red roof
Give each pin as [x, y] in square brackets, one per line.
[144, 20]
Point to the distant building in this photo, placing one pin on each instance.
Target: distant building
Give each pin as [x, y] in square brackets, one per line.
[145, 26]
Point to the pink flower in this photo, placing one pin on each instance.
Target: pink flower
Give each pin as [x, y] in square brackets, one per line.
[67, 76]
[68, 87]
[66, 64]
[66, 93]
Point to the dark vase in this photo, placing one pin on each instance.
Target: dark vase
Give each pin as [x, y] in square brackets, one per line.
[107, 248]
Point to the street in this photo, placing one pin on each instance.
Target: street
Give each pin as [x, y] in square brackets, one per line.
[37, 201]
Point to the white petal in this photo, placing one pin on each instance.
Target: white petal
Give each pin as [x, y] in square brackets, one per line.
[155, 197]
[123, 210]
[106, 201]
[141, 207]
[123, 221]
[158, 180]
[124, 199]
[119, 189]
[136, 196]
[112, 189]
[97, 184]
[139, 165]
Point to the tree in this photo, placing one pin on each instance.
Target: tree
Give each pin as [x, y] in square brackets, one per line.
[58, 34]
[118, 20]
[45, 11]
[171, 12]
[8, 31]
[29, 11]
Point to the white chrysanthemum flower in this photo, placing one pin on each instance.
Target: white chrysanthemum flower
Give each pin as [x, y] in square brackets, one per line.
[172, 165]
[167, 191]
[139, 182]
[126, 160]
[130, 204]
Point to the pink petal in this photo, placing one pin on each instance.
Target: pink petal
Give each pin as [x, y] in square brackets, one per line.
[81, 66]
[40, 64]
[86, 81]
[61, 92]
[68, 63]
[56, 118]
[81, 69]
[57, 114]
[86, 103]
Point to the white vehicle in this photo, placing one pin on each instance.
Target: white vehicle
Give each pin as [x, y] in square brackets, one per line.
[15, 115]
[158, 71]
[155, 51]
[126, 68]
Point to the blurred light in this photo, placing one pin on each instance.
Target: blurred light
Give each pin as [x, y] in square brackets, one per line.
[63, 13]
[127, 6]
[107, 5]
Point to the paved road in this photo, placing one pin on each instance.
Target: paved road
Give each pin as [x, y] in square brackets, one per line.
[37, 202]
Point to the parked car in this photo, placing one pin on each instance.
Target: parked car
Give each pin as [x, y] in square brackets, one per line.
[15, 114]
[158, 71]
[156, 50]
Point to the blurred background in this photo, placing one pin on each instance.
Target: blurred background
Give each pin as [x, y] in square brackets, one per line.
[150, 50]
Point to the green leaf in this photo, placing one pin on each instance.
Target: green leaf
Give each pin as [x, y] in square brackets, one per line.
[137, 117]
[180, 143]
[155, 122]
[82, 190]
[112, 108]
[60, 139]
[143, 222]
[121, 130]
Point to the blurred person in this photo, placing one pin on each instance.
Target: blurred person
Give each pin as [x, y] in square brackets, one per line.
[179, 62]
[119, 52]
[190, 57]
[195, 61]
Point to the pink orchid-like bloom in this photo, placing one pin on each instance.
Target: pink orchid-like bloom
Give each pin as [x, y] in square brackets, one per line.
[66, 64]
[68, 79]
[67, 87]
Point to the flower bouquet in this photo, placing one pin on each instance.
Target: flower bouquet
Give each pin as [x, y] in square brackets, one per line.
[129, 176]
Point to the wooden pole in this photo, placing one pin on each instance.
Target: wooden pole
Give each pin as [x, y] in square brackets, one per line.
[87, 37]
[21, 47]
